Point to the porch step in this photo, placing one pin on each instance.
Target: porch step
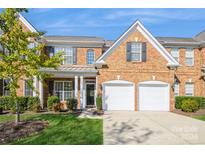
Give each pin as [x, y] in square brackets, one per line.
[90, 106]
[90, 109]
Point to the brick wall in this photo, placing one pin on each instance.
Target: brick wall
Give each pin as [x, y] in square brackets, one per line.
[190, 73]
[136, 72]
[82, 55]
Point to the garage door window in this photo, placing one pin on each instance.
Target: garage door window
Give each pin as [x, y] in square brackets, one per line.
[189, 89]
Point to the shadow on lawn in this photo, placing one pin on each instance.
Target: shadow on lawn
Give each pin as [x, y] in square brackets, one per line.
[66, 129]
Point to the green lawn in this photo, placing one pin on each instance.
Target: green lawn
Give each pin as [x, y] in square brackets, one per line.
[201, 117]
[62, 129]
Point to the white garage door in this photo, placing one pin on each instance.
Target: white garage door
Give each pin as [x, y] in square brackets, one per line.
[153, 96]
[118, 95]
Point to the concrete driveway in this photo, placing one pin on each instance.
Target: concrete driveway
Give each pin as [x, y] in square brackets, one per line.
[127, 127]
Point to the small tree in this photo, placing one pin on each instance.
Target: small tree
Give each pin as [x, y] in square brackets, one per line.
[17, 60]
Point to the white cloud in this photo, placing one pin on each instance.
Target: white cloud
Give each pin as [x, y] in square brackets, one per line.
[169, 14]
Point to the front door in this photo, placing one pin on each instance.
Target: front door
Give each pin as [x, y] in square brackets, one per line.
[90, 95]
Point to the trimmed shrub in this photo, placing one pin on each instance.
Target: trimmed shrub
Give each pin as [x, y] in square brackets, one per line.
[1, 107]
[1, 110]
[51, 101]
[189, 105]
[99, 103]
[72, 104]
[34, 104]
[199, 100]
[22, 102]
[7, 103]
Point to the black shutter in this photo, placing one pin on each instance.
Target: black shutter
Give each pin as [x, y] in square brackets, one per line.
[128, 52]
[144, 52]
[74, 55]
[51, 87]
[50, 51]
[1, 87]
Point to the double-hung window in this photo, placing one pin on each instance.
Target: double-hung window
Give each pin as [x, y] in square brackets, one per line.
[69, 56]
[175, 53]
[189, 89]
[63, 89]
[90, 56]
[189, 57]
[27, 89]
[136, 51]
[176, 89]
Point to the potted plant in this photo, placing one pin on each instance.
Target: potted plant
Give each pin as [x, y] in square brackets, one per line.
[72, 104]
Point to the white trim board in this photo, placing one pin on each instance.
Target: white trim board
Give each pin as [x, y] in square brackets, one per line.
[138, 26]
[26, 23]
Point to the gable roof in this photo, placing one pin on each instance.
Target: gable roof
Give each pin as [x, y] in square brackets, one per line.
[147, 35]
[27, 23]
[200, 36]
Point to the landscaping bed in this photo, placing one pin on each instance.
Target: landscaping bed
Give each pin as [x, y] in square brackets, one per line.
[62, 129]
[9, 131]
[197, 113]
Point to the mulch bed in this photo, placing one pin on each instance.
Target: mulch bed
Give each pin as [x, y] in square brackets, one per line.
[9, 131]
[190, 114]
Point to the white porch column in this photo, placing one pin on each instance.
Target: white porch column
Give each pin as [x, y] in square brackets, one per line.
[96, 88]
[35, 86]
[81, 92]
[76, 87]
[41, 92]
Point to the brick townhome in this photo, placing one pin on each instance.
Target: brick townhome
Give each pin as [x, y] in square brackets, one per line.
[136, 72]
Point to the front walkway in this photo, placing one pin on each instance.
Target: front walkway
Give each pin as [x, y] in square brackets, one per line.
[127, 127]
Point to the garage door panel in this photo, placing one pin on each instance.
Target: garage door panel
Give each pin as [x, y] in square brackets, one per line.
[154, 97]
[119, 97]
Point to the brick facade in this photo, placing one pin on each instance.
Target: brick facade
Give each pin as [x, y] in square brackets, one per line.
[191, 73]
[82, 55]
[136, 72]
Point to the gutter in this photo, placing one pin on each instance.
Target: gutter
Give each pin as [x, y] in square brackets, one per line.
[181, 43]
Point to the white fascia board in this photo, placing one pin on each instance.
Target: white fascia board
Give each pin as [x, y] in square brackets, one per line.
[115, 43]
[26, 23]
[157, 45]
[150, 38]
[99, 63]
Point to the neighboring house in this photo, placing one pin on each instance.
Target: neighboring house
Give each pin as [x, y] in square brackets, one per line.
[136, 72]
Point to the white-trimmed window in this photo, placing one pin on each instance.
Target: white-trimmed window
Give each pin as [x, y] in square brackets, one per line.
[176, 89]
[63, 89]
[90, 56]
[69, 54]
[175, 53]
[27, 89]
[189, 57]
[31, 45]
[6, 91]
[136, 51]
[189, 89]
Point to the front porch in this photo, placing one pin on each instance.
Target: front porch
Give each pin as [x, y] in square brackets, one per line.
[80, 83]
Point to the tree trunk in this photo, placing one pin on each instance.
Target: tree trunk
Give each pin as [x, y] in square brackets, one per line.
[17, 112]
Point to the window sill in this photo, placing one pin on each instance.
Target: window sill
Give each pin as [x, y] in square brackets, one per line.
[189, 65]
[135, 62]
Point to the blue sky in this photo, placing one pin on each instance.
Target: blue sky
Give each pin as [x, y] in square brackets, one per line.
[110, 23]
